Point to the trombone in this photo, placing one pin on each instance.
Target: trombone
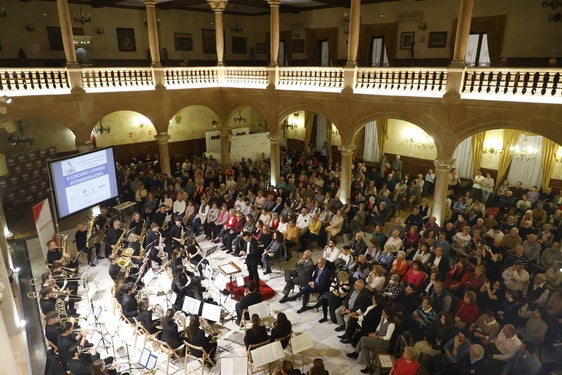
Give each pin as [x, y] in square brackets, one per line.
[37, 280]
[67, 293]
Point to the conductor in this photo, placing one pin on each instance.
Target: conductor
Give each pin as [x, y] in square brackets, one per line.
[253, 256]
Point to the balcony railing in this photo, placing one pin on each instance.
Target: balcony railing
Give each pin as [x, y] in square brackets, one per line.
[184, 78]
[401, 81]
[117, 79]
[34, 81]
[500, 84]
[530, 85]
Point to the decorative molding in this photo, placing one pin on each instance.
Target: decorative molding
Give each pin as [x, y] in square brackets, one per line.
[162, 138]
[218, 5]
[444, 164]
[346, 150]
[274, 3]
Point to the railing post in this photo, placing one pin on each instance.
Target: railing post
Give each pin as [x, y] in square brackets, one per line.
[349, 77]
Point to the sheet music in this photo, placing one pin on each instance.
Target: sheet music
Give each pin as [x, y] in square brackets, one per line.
[97, 312]
[211, 312]
[143, 360]
[191, 305]
[268, 353]
[208, 272]
[262, 309]
[386, 361]
[234, 365]
[152, 361]
[148, 276]
[240, 280]
[220, 281]
[301, 342]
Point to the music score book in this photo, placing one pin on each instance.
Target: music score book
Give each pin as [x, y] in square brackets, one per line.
[301, 342]
[385, 360]
[147, 359]
[268, 353]
[262, 309]
[234, 365]
[211, 312]
[191, 305]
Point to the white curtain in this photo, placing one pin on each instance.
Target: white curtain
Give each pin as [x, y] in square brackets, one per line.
[371, 150]
[320, 132]
[463, 156]
[529, 172]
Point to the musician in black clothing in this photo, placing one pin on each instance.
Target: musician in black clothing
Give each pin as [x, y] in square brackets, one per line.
[52, 326]
[145, 317]
[47, 300]
[128, 301]
[112, 237]
[67, 340]
[185, 284]
[136, 224]
[154, 240]
[53, 252]
[77, 365]
[80, 238]
[61, 280]
[160, 216]
[170, 334]
[196, 336]
[175, 232]
[251, 297]
[102, 223]
[257, 334]
[253, 256]
[195, 254]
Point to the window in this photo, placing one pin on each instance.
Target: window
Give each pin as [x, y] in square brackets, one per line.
[378, 53]
[325, 54]
[282, 55]
[477, 51]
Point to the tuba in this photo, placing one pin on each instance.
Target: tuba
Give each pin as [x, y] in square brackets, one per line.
[63, 245]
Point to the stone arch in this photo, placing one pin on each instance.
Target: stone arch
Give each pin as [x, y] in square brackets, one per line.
[125, 127]
[191, 122]
[247, 115]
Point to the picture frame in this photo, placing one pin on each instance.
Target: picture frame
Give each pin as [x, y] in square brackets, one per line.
[183, 41]
[239, 44]
[260, 48]
[406, 39]
[209, 40]
[126, 39]
[298, 45]
[437, 39]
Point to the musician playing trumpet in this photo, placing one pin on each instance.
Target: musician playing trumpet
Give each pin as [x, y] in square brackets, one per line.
[112, 238]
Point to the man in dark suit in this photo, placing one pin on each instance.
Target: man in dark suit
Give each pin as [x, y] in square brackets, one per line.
[252, 297]
[371, 320]
[318, 283]
[358, 300]
[300, 275]
[278, 206]
[253, 256]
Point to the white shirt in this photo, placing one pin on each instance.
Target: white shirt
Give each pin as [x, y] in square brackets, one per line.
[302, 221]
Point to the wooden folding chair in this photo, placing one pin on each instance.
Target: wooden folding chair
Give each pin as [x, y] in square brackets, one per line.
[288, 347]
[141, 331]
[171, 353]
[203, 360]
[250, 361]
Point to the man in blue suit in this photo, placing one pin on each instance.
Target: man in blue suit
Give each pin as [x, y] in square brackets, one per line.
[319, 283]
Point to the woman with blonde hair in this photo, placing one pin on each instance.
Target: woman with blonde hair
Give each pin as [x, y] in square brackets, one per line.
[408, 364]
[339, 288]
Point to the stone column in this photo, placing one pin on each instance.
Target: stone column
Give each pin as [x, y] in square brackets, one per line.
[442, 168]
[275, 167]
[463, 31]
[218, 7]
[74, 72]
[226, 137]
[346, 174]
[164, 152]
[274, 31]
[354, 26]
[152, 26]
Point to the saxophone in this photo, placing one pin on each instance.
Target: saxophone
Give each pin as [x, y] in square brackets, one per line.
[117, 245]
[141, 239]
[89, 238]
[101, 232]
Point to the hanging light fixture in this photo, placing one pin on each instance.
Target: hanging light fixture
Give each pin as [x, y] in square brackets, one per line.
[83, 18]
[524, 151]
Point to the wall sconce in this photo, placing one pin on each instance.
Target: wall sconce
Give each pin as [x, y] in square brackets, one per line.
[101, 129]
[16, 140]
[177, 118]
[100, 30]
[4, 102]
[335, 131]
[423, 26]
[239, 118]
[2, 12]
[492, 150]
[214, 123]
[237, 28]
[83, 18]
[421, 143]
[30, 27]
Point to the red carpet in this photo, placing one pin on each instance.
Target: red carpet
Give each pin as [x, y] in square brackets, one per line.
[238, 292]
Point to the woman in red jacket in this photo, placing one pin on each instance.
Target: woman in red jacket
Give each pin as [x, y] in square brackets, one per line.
[467, 310]
[416, 275]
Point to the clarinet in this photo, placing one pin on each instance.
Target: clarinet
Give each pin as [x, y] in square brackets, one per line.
[141, 271]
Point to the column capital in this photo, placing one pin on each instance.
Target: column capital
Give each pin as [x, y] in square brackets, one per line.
[273, 138]
[225, 132]
[346, 150]
[217, 5]
[444, 164]
[274, 3]
[150, 3]
[162, 138]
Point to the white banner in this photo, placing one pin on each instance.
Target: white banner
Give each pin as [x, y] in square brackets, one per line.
[44, 224]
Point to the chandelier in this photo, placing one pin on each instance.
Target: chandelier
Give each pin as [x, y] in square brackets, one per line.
[101, 129]
[17, 140]
[524, 151]
[422, 143]
[83, 18]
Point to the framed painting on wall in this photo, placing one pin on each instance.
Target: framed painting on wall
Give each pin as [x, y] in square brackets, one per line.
[126, 39]
[406, 39]
[437, 39]
[260, 47]
[183, 41]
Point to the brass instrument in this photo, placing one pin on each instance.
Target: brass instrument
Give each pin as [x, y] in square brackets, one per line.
[89, 238]
[60, 308]
[128, 252]
[101, 231]
[210, 329]
[117, 245]
[123, 262]
[181, 320]
[36, 294]
[141, 239]
[158, 311]
[36, 281]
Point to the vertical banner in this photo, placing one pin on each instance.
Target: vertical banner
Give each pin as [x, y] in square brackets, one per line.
[44, 224]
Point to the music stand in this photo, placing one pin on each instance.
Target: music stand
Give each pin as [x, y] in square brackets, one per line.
[148, 360]
[191, 305]
[211, 312]
[234, 365]
[267, 354]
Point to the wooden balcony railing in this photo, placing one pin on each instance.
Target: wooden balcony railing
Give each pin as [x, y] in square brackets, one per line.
[16, 82]
[501, 84]
[401, 81]
[184, 78]
[533, 85]
[117, 79]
